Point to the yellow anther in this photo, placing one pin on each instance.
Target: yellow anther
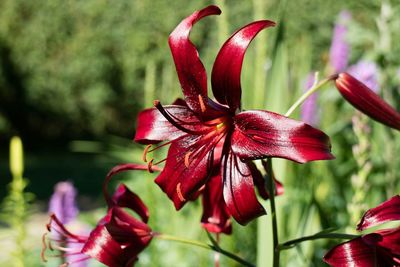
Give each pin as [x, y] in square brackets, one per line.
[219, 126]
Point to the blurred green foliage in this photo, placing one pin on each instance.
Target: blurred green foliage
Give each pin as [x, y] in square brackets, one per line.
[71, 69]
[75, 69]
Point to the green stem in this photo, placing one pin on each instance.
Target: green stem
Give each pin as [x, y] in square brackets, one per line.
[271, 190]
[313, 89]
[205, 246]
[291, 243]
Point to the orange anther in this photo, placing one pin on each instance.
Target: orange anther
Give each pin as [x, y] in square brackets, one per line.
[150, 165]
[44, 247]
[179, 192]
[187, 162]
[156, 103]
[145, 152]
[202, 105]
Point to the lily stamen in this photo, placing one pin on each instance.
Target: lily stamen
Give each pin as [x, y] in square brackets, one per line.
[187, 162]
[219, 126]
[202, 105]
[157, 147]
[150, 165]
[44, 248]
[145, 152]
[216, 122]
[166, 115]
[179, 192]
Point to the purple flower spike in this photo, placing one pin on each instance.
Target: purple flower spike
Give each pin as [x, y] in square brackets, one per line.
[367, 72]
[339, 53]
[63, 202]
[309, 112]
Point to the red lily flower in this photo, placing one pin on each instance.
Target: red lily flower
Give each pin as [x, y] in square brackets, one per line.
[366, 100]
[118, 237]
[205, 134]
[216, 216]
[378, 249]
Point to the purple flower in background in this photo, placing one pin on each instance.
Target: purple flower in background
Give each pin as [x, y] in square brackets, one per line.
[75, 259]
[63, 203]
[339, 53]
[367, 72]
[309, 109]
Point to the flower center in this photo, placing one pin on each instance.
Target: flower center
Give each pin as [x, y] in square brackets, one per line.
[219, 126]
[201, 136]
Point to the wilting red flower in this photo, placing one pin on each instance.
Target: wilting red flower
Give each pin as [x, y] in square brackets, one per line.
[378, 249]
[365, 100]
[197, 127]
[118, 237]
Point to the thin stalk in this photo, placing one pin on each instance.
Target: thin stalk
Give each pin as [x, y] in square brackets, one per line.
[313, 89]
[205, 246]
[271, 190]
[291, 243]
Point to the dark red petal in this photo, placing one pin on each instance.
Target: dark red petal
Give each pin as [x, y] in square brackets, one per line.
[260, 182]
[279, 190]
[352, 253]
[117, 239]
[386, 211]
[126, 229]
[191, 72]
[261, 134]
[239, 194]
[179, 102]
[225, 77]
[123, 197]
[60, 230]
[103, 248]
[365, 100]
[153, 127]
[117, 169]
[391, 241]
[187, 168]
[215, 216]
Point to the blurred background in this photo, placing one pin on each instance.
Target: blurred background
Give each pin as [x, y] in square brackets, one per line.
[74, 75]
